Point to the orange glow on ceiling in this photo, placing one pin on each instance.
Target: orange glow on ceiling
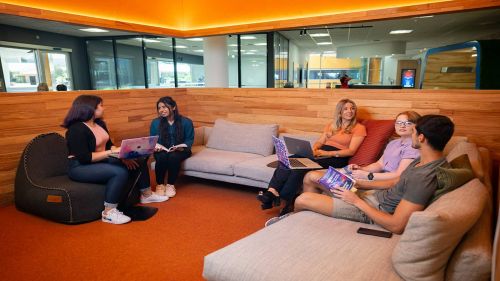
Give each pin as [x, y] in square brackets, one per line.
[199, 14]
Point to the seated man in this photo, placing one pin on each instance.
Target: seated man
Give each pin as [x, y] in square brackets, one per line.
[390, 203]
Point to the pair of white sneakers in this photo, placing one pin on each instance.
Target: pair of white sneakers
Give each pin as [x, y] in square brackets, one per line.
[114, 216]
[167, 190]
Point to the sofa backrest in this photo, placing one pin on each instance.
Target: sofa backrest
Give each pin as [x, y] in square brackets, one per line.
[240, 137]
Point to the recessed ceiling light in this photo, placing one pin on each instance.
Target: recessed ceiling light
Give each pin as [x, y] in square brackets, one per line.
[319, 34]
[93, 30]
[180, 47]
[248, 37]
[260, 44]
[324, 43]
[150, 40]
[195, 39]
[474, 55]
[401, 31]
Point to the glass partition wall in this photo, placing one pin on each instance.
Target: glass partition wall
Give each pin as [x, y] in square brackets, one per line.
[23, 69]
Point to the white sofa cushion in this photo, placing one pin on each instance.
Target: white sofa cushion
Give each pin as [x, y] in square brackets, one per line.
[216, 161]
[305, 246]
[250, 138]
[256, 169]
[431, 235]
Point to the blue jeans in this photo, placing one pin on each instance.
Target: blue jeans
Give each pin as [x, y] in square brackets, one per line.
[111, 172]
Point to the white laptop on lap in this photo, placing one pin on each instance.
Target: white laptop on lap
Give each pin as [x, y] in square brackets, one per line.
[137, 147]
[292, 163]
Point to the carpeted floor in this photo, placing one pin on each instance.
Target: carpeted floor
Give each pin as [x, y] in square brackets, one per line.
[203, 217]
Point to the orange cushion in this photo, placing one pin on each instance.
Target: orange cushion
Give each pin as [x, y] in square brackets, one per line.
[378, 134]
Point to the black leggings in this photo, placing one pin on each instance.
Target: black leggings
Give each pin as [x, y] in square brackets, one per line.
[289, 181]
[169, 162]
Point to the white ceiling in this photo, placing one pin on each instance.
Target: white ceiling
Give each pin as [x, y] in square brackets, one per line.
[430, 32]
[436, 31]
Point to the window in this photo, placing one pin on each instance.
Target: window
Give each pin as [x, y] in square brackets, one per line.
[23, 69]
[58, 70]
[102, 64]
[190, 67]
[253, 60]
[160, 62]
[130, 63]
[19, 69]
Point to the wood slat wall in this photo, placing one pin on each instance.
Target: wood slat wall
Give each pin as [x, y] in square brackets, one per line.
[129, 112]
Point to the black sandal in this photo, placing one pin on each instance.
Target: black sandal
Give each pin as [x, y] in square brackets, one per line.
[268, 199]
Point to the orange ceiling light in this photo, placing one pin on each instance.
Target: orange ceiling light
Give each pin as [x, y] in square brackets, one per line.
[199, 14]
[210, 17]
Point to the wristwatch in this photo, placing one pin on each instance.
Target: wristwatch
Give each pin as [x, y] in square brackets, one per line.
[370, 176]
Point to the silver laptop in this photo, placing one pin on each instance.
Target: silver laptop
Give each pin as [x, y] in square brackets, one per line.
[137, 147]
[301, 148]
[292, 163]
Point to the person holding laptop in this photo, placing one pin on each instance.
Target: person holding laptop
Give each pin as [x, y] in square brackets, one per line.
[340, 140]
[90, 146]
[176, 137]
[389, 203]
[397, 155]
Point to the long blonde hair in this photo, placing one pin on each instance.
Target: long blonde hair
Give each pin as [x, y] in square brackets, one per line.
[337, 118]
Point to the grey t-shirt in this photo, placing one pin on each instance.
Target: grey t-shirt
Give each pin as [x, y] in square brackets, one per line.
[416, 184]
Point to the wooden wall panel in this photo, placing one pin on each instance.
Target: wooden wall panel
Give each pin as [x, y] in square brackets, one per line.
[129, 113]
[435, 79]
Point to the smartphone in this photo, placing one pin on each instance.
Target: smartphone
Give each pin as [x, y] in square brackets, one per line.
[375, 232]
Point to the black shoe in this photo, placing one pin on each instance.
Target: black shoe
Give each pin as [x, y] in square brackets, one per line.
[268, 200]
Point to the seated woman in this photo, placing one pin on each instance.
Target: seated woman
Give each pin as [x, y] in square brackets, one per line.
[340, 140]
[397, 155]
[173, 129]
[90, 147]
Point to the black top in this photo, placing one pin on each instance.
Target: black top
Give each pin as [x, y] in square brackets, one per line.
[81, 141]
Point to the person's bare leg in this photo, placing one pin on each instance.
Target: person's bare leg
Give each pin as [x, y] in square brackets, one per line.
[315, 202]
[311, 181]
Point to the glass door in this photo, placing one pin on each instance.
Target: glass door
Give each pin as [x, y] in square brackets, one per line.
[56, 69]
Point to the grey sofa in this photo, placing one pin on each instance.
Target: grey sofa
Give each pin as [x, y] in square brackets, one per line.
[233, 152]
[449, 240]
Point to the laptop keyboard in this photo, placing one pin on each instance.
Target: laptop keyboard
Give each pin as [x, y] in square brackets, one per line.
[296, 163]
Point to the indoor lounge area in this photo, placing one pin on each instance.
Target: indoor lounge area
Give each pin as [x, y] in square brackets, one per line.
[243, 72]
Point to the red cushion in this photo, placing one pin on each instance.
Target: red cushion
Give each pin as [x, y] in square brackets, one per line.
[378, 133]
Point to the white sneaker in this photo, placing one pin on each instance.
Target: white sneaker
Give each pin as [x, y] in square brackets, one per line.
[170, 190]
[153, 198]
[276, 219]
[115, 217]
[160, 189]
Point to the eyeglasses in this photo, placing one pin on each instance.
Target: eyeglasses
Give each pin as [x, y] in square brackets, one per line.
[406, 123]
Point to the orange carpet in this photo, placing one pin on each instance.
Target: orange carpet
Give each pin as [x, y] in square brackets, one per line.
[203, 217]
